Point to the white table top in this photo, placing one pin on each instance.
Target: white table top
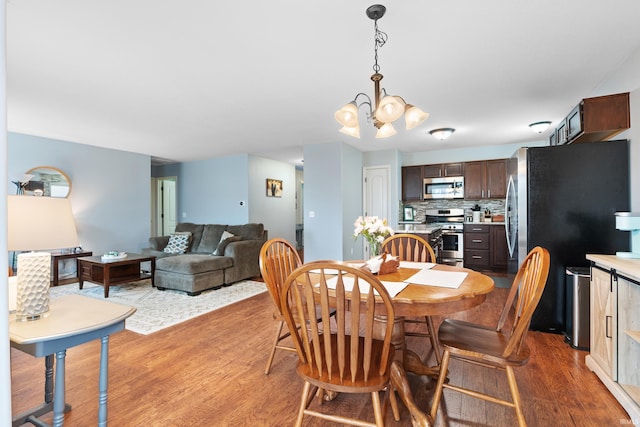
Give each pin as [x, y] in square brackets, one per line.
[68, 315]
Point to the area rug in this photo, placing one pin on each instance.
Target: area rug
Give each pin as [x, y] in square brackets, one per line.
[160, 309]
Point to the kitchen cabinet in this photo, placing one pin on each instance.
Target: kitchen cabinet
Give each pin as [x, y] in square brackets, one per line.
[412, 183]
[485, 179]
[594, 119]
[442, 170]
[615, 328]
[485, 247]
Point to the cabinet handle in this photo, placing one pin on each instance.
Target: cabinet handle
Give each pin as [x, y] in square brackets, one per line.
[476, 257]
[489, 194]
[607, 328]
[476, 229]
[477, 240]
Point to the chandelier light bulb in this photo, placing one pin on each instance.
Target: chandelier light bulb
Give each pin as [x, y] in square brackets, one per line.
[414, 116]
[353, 131]
[348, 115]
[386, 131]
[390, 109]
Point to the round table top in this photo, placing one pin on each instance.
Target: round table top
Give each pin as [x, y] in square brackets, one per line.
[421, 300]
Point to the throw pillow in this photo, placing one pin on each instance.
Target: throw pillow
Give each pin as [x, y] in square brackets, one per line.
[178, 243]
[224, 241]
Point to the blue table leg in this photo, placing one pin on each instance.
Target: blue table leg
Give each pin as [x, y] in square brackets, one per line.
[58, 396]
[48, 379]
[104, 377]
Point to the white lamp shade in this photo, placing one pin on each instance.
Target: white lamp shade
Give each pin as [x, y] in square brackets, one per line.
[354, 132]
[414, 116]
[391, 108]
[39, 223]
[386, 131]
[348, 115]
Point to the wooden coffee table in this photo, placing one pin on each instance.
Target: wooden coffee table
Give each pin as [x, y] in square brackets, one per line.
[113, 272]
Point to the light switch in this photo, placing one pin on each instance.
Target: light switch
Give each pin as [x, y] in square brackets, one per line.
[312, 214]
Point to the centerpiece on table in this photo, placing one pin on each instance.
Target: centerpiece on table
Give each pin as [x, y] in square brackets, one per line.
[374, 230]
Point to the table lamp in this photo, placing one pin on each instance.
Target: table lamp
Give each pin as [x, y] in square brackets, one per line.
[36, 224]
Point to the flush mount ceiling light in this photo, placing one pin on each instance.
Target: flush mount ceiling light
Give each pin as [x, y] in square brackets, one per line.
[442, 133]
[540, 127]
[386, 108]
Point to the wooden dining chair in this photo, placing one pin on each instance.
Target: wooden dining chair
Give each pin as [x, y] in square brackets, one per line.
[351, 354]
[412, 247]
[278, 258]
[501, 347]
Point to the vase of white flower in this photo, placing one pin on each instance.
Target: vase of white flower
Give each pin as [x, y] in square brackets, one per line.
[374, 230]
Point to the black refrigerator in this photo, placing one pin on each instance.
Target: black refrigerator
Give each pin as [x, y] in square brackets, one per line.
[564, 198]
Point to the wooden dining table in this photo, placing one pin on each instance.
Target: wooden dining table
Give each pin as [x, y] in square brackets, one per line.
[418, 300]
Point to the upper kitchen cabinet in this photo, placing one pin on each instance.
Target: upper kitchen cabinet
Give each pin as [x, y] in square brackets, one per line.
[485, 179]
[411, 183]
[442, 170]
[594, 119]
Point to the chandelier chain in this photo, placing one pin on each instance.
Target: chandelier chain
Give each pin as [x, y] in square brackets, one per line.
[380, 38]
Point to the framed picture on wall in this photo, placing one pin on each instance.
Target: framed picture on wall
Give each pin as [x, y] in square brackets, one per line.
[408, 214]
[274, 187]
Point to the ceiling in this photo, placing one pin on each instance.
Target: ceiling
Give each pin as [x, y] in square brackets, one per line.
[201, 79]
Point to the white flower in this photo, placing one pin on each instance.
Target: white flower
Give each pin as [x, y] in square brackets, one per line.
[372, 228]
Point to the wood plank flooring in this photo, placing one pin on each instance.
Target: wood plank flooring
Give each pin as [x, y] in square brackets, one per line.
[209, 371]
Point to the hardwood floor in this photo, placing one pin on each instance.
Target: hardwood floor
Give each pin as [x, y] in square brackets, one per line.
[209, 371]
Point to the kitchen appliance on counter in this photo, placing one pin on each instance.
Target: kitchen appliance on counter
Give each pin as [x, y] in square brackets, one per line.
[564, 198]
[451, 187]
[451, 222]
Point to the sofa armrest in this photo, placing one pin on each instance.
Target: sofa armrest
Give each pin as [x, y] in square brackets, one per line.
[158, 243]
[245, 254]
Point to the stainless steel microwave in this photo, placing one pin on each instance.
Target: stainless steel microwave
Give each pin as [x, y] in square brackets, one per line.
[451, 187]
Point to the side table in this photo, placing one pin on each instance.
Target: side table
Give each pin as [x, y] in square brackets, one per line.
[72, 320]
[56, 257]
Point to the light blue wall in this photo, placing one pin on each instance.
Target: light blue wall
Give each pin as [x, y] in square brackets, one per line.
[210, 191]
[332, 199]
[278, 214]
[110, 193]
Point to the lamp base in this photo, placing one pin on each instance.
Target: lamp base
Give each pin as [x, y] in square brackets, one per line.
[32, 294]
[30, 317]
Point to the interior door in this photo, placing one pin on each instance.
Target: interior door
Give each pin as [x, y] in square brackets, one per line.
[165, 206]
[376, 195]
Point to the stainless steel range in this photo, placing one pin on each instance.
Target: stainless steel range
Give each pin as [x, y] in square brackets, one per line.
[451, 222]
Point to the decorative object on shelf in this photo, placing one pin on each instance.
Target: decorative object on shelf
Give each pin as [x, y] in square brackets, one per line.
[374, 230]
[113, 255]
[409, 213]
[22, 182]
[442, 133]
[48, 181]
[385, 108]
[274, 187]
[540, 127]
[37, 223]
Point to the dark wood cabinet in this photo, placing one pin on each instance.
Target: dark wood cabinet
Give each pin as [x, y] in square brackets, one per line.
[412, 183]
[442, 170]
[485, 247]
[485, 179]
[594, 119]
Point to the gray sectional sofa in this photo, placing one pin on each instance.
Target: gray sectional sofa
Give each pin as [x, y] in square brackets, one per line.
[198, 269]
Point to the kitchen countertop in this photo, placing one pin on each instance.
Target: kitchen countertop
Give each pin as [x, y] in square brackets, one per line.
[417, 228]
[485, 223]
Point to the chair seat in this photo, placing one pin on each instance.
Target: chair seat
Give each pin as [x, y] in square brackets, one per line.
[479, 342]
[331, 380]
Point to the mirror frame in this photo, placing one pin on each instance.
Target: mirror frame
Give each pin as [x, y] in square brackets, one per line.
[53, 169]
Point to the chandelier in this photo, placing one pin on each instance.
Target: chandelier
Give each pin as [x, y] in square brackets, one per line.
[386, 108]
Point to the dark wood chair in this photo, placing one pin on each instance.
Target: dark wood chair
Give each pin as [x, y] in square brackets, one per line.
[351, 354]
[501, 347]
[278, 258]
[411, 247]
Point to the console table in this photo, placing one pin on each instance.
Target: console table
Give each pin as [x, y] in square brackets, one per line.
[72, 320]
[56, 257]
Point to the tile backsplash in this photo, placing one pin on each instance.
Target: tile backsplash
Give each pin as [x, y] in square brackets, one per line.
[496, 206]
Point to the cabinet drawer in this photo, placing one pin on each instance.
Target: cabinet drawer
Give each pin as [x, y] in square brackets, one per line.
[476, 241]
[476, 228]
[476, 258]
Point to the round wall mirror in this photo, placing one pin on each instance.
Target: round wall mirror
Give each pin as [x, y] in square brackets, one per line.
[48, 181]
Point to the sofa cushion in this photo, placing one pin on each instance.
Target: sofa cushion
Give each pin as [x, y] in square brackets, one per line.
[210, 238]
[193, 263]
[195, 230]
[224, 241]
[178, 243]
[250, 231]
